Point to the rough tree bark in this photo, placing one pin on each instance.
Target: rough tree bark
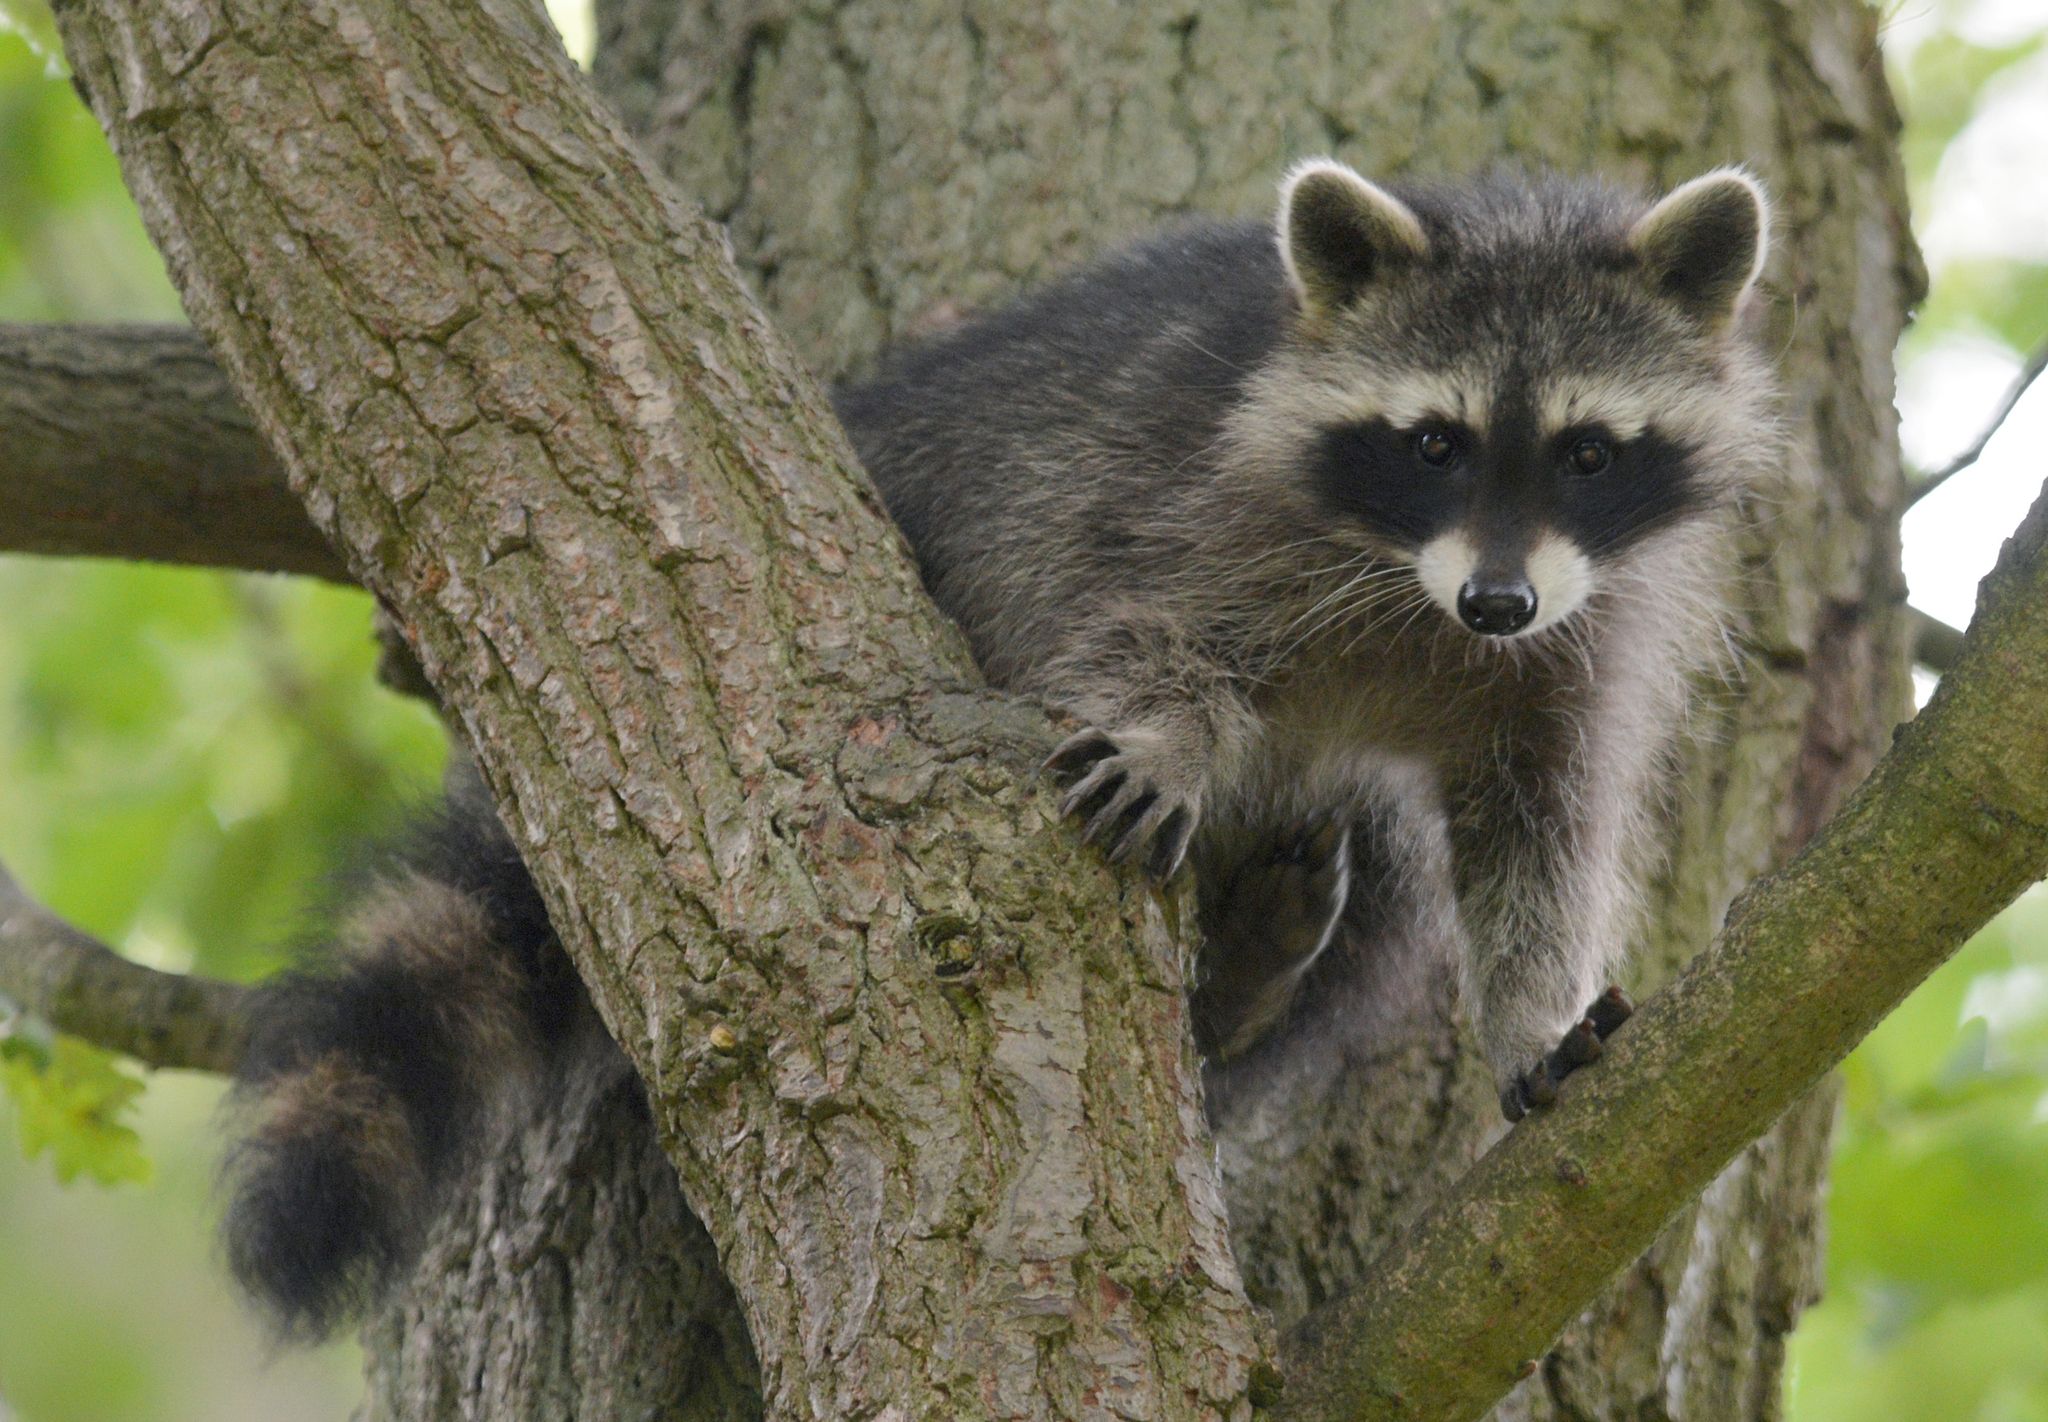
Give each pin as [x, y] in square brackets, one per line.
[970, 153]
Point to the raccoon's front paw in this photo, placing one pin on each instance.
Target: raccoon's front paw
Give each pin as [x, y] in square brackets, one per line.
[1131, 798]
[1537, 1087]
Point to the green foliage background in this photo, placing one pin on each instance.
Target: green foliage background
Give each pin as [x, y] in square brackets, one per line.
[183, 754]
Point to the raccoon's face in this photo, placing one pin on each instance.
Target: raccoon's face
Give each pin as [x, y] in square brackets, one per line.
[1505, 512]
[1518, 391]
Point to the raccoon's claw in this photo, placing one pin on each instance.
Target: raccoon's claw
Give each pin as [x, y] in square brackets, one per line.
[1123, 808]
[1094, 794]
[1170, 844]
[1537, 1088]
[1163, 826]
[1079, 751]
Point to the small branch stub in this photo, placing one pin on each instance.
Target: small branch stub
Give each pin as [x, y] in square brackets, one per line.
[82, 987]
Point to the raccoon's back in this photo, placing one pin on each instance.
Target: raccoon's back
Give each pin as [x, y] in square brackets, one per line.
[1032, 454]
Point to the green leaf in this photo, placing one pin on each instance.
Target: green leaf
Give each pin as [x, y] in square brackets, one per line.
[1936, 1307]
[2004, 300]
[1854, 1361]
[1940, 88]
[31, 22]
[69, 1100]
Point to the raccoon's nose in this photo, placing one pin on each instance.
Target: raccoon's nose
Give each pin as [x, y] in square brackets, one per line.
[1496, 609]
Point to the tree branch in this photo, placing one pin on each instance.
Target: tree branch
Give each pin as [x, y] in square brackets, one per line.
[1950, 827]
[924, 1073]
[1936, 645]
[2029, 373]
[81, 986]
[125, 442]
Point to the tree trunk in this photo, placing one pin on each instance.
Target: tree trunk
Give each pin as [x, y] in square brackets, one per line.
[921, 1063]
[884, 166]
[972, 154]
[575, 1284]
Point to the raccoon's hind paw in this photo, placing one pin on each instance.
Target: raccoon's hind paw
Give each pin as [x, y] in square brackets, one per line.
[1536, 1088]
[1133, 803]
[1289, 891]
[1265, 922]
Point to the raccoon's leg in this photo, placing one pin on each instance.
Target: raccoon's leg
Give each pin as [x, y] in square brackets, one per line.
[371, 1081]
[1270, 903]
[1379, 976]
[1544, 892]
[1165, 723]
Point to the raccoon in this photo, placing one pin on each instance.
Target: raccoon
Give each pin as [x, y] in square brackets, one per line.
[1410, 513]
[1375, 551]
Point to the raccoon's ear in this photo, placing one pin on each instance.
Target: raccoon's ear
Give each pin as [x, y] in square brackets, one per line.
[1705, 242]
[1338, 233]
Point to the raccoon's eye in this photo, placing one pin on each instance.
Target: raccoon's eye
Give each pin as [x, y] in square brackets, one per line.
[1590, 455]
[1435, 448]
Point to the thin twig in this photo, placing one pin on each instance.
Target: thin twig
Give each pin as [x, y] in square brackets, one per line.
[2031, 371]
[82, 987]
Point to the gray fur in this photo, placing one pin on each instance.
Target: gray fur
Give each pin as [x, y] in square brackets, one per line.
[1131, 487]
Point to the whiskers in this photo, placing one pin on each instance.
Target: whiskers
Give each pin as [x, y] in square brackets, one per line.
[1369, 593]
